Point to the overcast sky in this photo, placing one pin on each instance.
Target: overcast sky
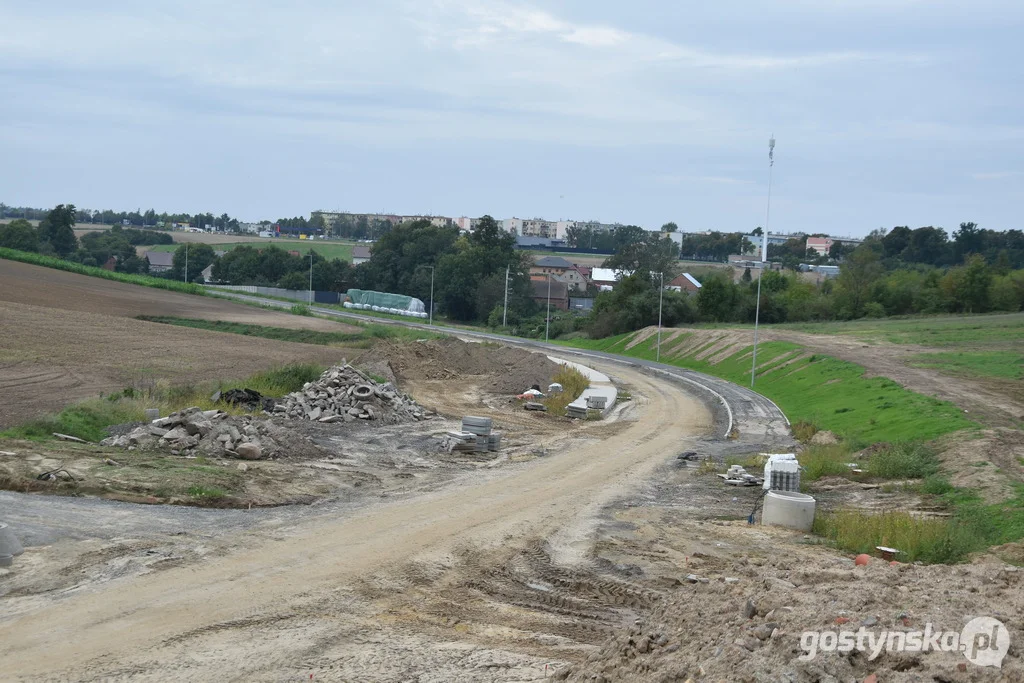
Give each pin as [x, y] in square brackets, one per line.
[886, 112]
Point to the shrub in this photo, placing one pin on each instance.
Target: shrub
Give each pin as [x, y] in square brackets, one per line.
[301, 309]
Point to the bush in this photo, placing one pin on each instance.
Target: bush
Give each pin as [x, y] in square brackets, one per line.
[284, 380]
[301, 309]
[903, 461]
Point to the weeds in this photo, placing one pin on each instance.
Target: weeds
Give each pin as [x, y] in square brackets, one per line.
[573, 384]
[903, 461]
[301, 309]
[803, 431]
[933, 541]
[825, 461]
[87, 420]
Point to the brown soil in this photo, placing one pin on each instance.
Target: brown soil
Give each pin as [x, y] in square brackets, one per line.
[991, 463]
[27, 284]
[50, 357]
[503, 369]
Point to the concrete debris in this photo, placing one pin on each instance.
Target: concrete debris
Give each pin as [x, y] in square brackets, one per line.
[66, 437]
[533, 405]
[343, 393]
[210, 433]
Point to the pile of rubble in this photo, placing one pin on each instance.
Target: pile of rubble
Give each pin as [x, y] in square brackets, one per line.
[345, 394]
[211, 433]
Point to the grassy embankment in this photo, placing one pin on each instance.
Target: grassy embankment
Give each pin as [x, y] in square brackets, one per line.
[828, 393]
[72, 267]
[819, 392]
[328, 249]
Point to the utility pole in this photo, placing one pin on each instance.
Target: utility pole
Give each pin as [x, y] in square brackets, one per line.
[547, 319]
[310, 277]
[764, 257]
[504, 309]
[431, 321]
[661, 295]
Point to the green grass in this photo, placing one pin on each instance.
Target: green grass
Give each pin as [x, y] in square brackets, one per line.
[831, 394]
[903, 461]
[71, 267]
[998, 364]
[329, 249]
[918, 539]
[927, 331]
[825, 461]
[86, 420]
[364, 338]
[89, 419]
[973, 527]
[301, 309]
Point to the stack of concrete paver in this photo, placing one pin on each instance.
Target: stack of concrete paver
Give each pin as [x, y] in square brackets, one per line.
[344, 394]
[476, 436]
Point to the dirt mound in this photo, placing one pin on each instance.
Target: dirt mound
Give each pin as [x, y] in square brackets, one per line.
[509, 370]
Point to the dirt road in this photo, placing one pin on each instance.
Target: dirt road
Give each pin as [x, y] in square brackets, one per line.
[146, 625]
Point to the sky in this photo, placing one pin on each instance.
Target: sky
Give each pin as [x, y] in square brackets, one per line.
[885, 112]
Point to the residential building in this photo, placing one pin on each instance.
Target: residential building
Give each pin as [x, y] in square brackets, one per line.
[160, 261]
[513, 225]
[360, 254]
[545, 289]
[538, 227]
[560, 269]
[604, 277]
[820, 245]
[684, 283]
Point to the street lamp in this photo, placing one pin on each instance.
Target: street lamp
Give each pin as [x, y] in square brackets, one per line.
[504, 309]
[431, 321]
[764, 257]
[547, 318]
[661, 295]
[310, 277]
[186, 263]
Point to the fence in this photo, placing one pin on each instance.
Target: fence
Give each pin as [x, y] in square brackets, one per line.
[319, 296]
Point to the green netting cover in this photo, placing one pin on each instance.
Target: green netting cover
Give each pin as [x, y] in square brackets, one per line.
[385, 300]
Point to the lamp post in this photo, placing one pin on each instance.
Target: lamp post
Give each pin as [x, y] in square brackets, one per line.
[504, 309]
[547, 318]
[431, 321]
[310, 277]
[661, 295]
[764, 258]
[186, 263]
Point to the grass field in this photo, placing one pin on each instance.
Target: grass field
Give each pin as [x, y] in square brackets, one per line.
[996, 364]
[829, 393]
[940, 331]
[362, 338]
[329, 250]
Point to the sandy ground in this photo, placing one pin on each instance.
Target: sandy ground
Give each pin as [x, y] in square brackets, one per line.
[235, 616]
[27, 284]
[50, 357]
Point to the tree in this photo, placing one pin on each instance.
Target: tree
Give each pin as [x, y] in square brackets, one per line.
[670, 227]
[58, 229]
[856, 276]
[717, 297]
[759, 231]
[199, 257]
[19, 234]
[967, 240]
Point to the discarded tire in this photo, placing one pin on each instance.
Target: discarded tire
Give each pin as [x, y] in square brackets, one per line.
[363, 391]
[9, 544]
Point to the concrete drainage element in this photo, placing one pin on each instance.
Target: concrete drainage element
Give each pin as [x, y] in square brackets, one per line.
[789, 509]
[363, 391]
[10, 547]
